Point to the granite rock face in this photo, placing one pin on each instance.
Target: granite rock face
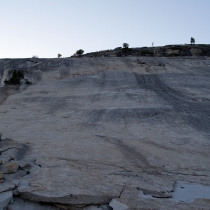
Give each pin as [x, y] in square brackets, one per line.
[102, 133]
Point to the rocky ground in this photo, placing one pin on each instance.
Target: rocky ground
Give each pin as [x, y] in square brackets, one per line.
[161, 51]
[106, 133]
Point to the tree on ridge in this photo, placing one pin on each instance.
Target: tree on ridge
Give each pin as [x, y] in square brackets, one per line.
[192, 40]
[79, 52]
[125, 45]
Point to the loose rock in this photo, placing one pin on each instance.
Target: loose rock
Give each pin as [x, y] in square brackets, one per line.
[9, 168]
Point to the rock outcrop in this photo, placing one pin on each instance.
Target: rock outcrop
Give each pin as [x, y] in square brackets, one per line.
[165, 51]
[106, 133]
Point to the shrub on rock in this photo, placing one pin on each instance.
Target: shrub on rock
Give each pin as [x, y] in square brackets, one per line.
[192, 40]
[79, 52]
[16, 78]
[125, 45]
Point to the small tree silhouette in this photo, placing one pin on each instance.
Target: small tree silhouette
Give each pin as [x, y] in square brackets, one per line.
[125, 45]
[192, 40]
[79, 52]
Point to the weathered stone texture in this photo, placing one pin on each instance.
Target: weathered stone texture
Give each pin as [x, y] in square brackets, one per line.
[111, 131]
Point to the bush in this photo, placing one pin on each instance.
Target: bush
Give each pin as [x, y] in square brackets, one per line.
[16, 78]
[125, 45]
[79, 52]
[192, 40]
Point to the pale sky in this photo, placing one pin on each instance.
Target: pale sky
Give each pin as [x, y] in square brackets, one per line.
[48, 27]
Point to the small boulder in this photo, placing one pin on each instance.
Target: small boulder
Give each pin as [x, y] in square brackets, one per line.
[9, 168]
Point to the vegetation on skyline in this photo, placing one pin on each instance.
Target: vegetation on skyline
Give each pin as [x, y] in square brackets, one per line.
[192, 40]
[79, 52]
[125, 45]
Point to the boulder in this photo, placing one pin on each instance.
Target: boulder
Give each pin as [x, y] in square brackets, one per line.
[9, 168]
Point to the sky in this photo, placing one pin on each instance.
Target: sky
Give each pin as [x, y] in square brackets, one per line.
[47, 27]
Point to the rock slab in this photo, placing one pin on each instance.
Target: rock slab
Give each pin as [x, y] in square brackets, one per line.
[1, 175]
[5, 198]
[117, 205]
[20, 204]
[6, 186]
